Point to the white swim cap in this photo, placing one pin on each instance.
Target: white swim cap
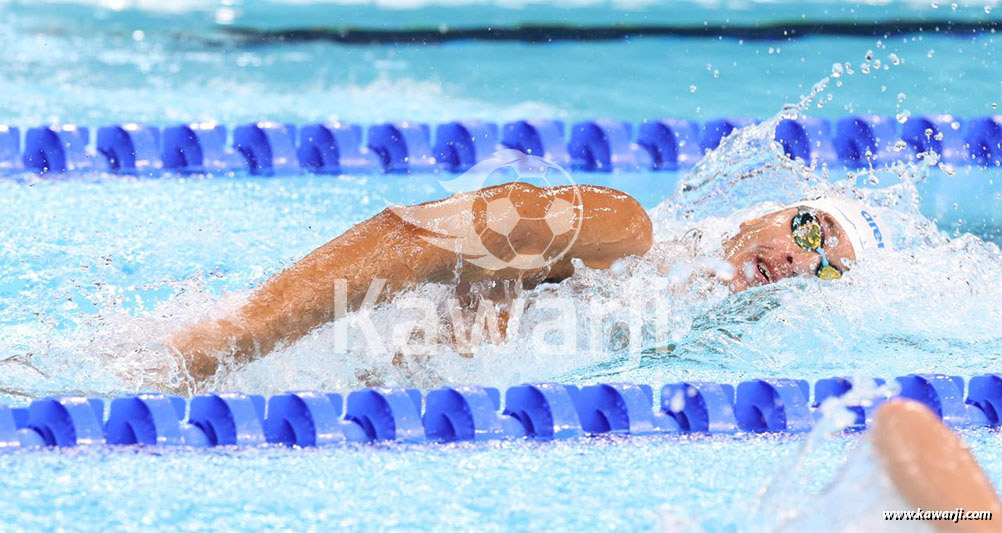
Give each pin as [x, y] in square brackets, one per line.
[858, 222]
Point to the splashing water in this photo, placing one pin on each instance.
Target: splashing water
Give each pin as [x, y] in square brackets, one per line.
[654, 319]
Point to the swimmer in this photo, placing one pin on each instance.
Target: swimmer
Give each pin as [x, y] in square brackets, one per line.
[822, 238]
[908, 460]
[930, 467]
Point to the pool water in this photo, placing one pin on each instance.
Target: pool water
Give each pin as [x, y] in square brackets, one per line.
[96, 270]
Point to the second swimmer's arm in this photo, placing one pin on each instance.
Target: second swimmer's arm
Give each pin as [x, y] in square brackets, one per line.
[931, 467]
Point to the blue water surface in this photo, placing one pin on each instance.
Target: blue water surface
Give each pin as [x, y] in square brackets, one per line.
[96, 264]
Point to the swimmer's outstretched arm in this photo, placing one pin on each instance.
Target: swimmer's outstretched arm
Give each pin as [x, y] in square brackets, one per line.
[931, 467]
[612, 225]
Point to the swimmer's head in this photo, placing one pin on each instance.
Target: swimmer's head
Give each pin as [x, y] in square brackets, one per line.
[822, 237]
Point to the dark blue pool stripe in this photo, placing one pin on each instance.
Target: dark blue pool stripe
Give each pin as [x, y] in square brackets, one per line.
[601, 145]
[545, 33]
[535, 411]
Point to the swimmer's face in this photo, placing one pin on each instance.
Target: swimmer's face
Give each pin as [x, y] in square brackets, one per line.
[763, 251]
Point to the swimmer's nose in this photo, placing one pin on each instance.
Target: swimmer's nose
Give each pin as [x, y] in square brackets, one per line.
[803, 262]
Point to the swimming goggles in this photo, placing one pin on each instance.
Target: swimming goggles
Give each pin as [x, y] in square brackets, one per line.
[807, 234]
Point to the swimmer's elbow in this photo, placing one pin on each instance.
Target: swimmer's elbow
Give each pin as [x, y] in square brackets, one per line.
[615, 226]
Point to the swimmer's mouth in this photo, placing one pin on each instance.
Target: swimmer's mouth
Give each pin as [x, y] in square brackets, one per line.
[763, 271]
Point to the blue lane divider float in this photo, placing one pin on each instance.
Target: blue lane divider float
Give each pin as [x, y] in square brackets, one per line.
[268, 147]
[468, 412]
[838, 388]
[671, 144]
[538, 137]
[621, 408]
[700, 407]
[714, 131]
[460, 145]
[806, 139]
[130, 148]
[335, 148]
[981, 137]
[402, 146]
[535, 411]
[603, 145]
[57, 149]
[774, 405]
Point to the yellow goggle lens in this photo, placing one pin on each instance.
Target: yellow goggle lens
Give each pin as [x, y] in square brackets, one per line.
[808, 236]
[828, 272]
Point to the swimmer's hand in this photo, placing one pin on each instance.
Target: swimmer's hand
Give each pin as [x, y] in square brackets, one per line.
[201, 349]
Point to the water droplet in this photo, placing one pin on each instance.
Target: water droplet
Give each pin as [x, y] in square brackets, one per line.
[938, 136]
[928, 133]
[876, 64]
[903, 116]
[953, 6]
[935, 5]
[930, 53]
[895, 60]
[692, 88]
[901, 97]
[988, 9]
[869, 55]
[837, 70]
[864, 68]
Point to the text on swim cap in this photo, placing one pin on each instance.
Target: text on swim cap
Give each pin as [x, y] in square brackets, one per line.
[873, 225]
